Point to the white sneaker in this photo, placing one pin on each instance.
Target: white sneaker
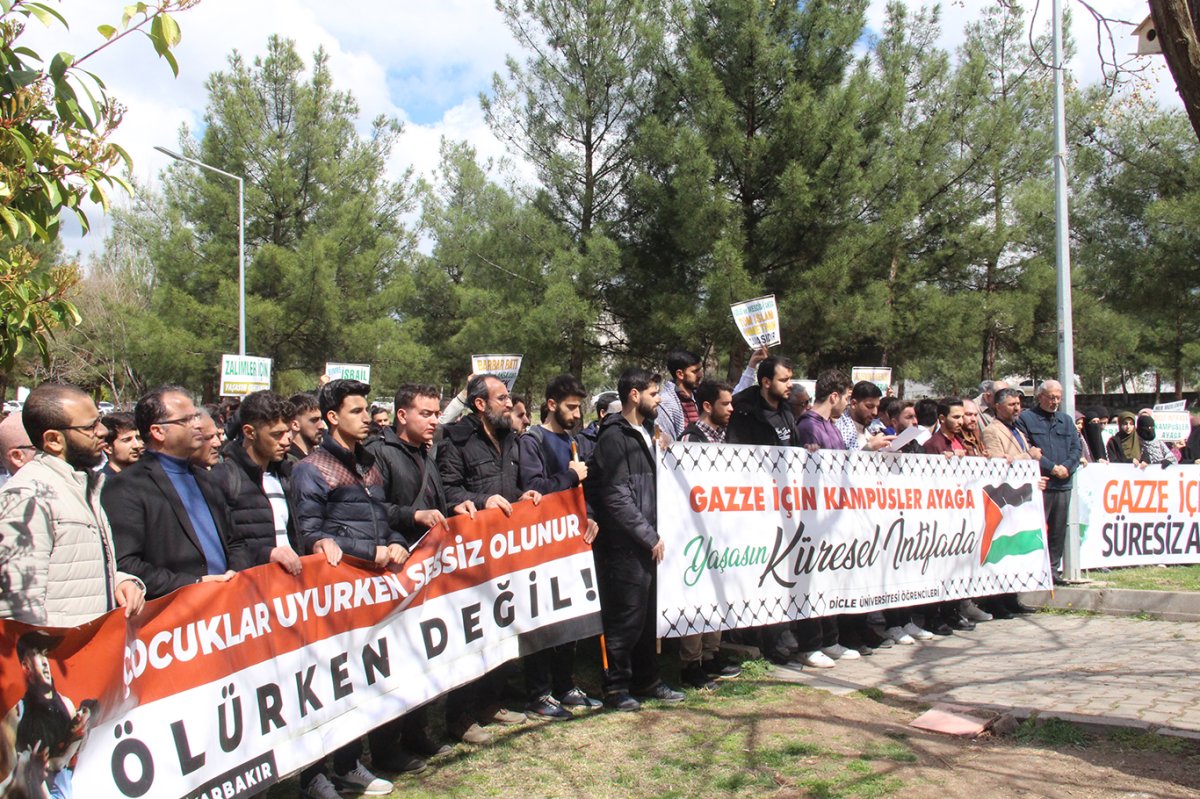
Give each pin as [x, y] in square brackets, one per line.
[788, 640]
[817, 660]
[359, 780]
[973, 612]
[837, 652]
[319, 787]
[898, 635]
[917, 632]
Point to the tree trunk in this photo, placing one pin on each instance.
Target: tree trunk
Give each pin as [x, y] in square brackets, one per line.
[1176, 26]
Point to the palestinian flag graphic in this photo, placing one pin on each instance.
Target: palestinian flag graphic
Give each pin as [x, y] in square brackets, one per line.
[1012, 525]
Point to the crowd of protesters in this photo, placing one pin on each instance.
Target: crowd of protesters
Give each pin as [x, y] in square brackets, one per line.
[105, 512]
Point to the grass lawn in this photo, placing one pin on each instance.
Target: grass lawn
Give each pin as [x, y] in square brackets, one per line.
[1150, 578]
[760, 737]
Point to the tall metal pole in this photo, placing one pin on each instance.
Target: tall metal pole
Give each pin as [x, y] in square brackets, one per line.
[241, 267]
[1062, 260]
[241, 238]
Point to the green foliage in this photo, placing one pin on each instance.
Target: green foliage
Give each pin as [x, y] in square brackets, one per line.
[326, 250]
[56, 124]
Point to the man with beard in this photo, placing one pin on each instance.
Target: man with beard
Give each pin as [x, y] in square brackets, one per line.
[553, 458]
[477, 461]
[1052, 431]
[858, 425]
[761, 414]
[307, 425]
[170, 523]
[628, 549]
[700, 653]
[678, 408]
[947, 439]
[56, 546]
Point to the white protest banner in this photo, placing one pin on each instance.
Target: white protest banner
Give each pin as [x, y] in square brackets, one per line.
[1137, 517]
[758, 319]
[1172, 426]
[349, 371]
[244, 374]
[505, 367]
[879, 375]
[220, 690]
[758, 535]
[1178, 405]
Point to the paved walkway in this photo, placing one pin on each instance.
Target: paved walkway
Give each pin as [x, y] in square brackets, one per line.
[1100, 669]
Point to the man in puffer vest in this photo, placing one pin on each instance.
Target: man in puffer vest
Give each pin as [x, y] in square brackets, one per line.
[57, 563]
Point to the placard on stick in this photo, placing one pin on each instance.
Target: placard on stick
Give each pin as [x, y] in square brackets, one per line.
[505, 367]
[758, 320]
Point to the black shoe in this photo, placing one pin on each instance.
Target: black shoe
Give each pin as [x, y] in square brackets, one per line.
[400, 761]
[548, 708]
[663, 693]
[875, 640]
[577, 698]
[425, 746]
[1020, 608]
[622, 701]
[721, 670]
[1060, 580]
[959, 623]
[780, 657]
[998, 611]
[694, 676]
[941, 628]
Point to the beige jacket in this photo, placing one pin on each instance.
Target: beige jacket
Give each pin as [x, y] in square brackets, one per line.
[1001, 442]
[57, 565]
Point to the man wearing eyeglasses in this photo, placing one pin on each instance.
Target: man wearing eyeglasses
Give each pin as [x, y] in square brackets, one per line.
[169, 519]
[56, 548]
[16, 450]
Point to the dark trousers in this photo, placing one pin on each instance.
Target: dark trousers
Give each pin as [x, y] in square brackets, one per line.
[344, 760]
[550, 671]
[897, 617]
[1056, 504]
[816, 633]
[628, 609]
[389, 739]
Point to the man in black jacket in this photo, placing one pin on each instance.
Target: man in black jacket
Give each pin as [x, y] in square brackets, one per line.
[761, 413]
[337, 493]
[170, 525]
[255, 477]
[553, 457]
[628, 548]
[414, 489]
[477, 461]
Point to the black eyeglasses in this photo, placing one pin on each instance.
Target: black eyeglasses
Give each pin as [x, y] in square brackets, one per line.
[182, 419]
[83, 428]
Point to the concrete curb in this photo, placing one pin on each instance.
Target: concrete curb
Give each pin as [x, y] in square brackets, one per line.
[1166, 605]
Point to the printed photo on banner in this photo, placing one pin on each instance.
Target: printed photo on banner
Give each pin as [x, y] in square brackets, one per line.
[222, 689]
[505, 367]
[759, 535]
[1138, 517]
[758, 320]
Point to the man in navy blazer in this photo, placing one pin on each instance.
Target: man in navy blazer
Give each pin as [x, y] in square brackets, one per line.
[171, 526]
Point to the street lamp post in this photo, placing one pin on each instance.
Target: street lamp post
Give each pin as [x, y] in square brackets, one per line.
[241, 239]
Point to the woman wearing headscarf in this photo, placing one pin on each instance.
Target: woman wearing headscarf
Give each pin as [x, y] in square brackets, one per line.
[1154, 450]
[1092, 435]
[1125, 446]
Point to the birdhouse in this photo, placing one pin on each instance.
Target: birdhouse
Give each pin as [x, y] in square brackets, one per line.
[1147, 37]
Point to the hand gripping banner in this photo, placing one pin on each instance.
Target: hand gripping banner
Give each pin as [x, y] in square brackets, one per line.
[221, 688]
[757, 535]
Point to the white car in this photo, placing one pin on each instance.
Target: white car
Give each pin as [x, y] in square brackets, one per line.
[12, 406]
[106, 407]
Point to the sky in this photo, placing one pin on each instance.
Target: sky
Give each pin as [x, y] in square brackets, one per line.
[423, 62]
